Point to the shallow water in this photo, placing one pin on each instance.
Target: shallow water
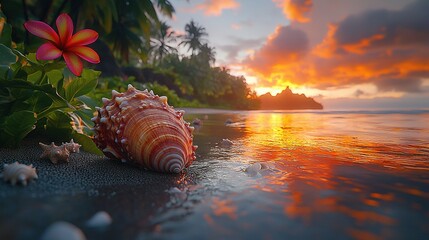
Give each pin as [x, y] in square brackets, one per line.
[325, 175]
[331, 175]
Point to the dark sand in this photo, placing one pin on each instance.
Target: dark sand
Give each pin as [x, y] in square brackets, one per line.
[76, 190]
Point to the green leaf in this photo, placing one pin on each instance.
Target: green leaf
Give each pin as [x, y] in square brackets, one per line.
[58, 101]
[7, 57]
[35, 77]
[5, 33]
[16, 126]
[58, 126]
[59, 120]
[82, 85]
[40, 101]
[87, 143]
[54, 78]
[54, 66]
[4, 71]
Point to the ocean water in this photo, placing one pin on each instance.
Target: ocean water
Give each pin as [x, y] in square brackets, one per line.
[287, 175]
[326, 175]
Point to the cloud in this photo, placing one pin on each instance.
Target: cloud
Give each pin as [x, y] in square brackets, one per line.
[379, 29]
[359, 93]
[386, 48]
[239, 45]
[284, 47]
[235, 26]
[295, 10]
[215, 7]
[403, 85]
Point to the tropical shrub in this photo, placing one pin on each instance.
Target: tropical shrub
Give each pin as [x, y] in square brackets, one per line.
[43, 96]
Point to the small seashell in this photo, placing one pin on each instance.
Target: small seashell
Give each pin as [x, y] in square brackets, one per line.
[226, 143]
[55, 153]
[260, 169]
[253, 169]
[197, 122]
[72, 147]
[152, 134]
[64, 231]
[59, 153]
[174, 190]
[19, 173]
[99, 220]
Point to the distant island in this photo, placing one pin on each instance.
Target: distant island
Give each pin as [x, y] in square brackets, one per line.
[287, 100]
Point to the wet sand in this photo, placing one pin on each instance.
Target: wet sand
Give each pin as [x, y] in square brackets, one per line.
[75, 191]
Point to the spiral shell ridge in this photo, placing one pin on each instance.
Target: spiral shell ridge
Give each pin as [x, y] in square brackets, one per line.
[140, 127]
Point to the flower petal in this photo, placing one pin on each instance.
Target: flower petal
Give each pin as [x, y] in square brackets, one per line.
[86, 53]
[73, 63]
[48, 51]
[65, 28]
[83, 37]
[42, 30]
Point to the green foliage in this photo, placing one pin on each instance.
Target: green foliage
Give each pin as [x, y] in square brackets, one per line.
[172, 97]
[42, 96]
[5, 31]
[125, 26]
[7, 57]
[16, 126]
[211, 86]
[87, 143]
[194, 36]
[106, 85]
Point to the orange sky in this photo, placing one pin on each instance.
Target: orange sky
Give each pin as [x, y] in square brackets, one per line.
[328, 49]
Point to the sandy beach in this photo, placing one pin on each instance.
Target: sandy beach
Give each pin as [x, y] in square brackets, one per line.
[71, 191]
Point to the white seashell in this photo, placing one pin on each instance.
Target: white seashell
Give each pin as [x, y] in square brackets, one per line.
[64, 231]
[260, 169]
[156, 138]
[72, 147]
[174, 190]
[99, 220]
[19, 173]
[226, 143]
[253, 169]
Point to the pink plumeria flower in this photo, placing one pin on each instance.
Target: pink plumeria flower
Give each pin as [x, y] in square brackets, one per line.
[71, 47]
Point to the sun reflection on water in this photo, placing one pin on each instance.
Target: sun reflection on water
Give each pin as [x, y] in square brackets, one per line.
[335, 166]
[361, 176]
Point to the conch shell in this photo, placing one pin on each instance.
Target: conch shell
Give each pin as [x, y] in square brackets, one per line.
[141, 128]
[17, 172]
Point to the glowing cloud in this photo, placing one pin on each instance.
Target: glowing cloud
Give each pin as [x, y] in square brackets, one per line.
[387, 49]
[215, 7]
[273, 62]
[295, 10]
[284, 47]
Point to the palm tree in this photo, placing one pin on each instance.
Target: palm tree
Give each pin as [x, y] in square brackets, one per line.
[194, 37]
[131, 23]
[207, 54]
[162, 37]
